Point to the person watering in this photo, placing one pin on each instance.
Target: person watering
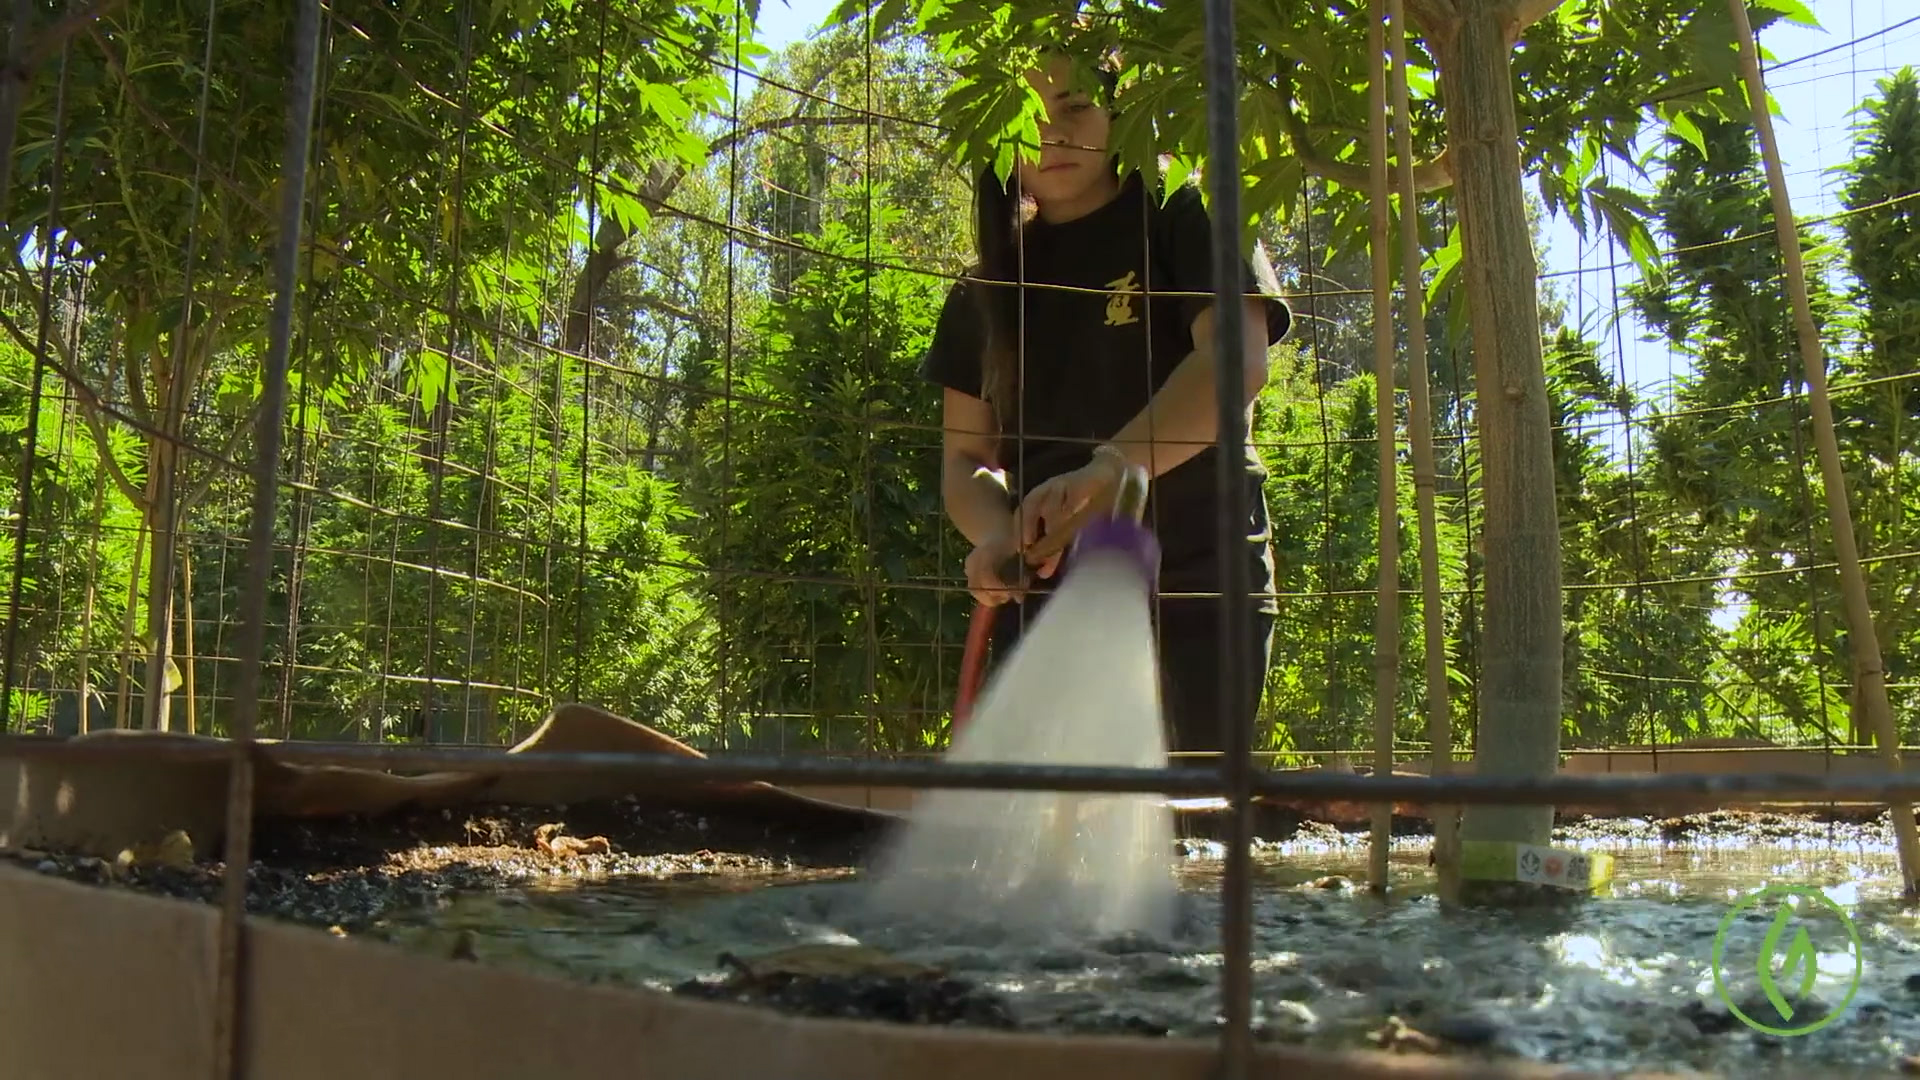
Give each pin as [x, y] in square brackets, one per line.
[1079, 368]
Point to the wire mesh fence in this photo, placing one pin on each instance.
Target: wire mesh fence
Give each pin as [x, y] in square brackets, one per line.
[656, 440]
[602, 385]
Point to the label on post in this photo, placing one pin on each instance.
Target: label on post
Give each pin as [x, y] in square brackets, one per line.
[1535, 864]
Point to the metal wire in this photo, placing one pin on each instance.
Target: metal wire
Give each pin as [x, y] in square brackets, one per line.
[1641, 793]
[1235, 777]
[1236, 606]
[229, 1014]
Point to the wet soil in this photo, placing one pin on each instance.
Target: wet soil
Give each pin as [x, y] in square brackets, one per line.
[750, 910]
[351, 872]
[1620, 981]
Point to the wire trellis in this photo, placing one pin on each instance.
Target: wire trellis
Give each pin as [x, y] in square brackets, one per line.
[478, 530]
[495, 513]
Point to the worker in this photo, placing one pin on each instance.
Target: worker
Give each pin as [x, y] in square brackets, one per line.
[1051, 392]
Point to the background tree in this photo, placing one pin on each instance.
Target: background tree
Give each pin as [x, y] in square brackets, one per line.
[485, 519]
[1881, 236]
[428, 115]
[1733, 452]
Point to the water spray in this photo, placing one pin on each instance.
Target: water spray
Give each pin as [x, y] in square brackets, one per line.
[1129, 504]
[1080, 688]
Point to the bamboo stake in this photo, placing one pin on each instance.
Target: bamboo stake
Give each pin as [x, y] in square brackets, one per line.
[186, 619]
[1386, 624]
[1869, 671]
[123, 706]
[85, 660]
[1413, 312]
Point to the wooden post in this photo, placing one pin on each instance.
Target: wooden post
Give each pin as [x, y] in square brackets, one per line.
[1386, 624]
[186, 629]
[1413, 312]
[1870, 680]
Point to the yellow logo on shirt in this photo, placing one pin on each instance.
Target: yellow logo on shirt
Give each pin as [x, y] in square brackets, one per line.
[1120, 301]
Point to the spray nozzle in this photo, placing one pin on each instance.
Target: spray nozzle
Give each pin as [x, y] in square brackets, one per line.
[1121, 532]
[1125, 537]
[1119, 528]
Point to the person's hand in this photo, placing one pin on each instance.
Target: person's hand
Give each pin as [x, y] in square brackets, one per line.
[983, 575]
[1048, 506]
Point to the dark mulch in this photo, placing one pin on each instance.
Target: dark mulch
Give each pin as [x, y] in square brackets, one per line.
[929, 998]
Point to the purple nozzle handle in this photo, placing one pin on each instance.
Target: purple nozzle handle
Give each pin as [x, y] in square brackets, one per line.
[1124, 537]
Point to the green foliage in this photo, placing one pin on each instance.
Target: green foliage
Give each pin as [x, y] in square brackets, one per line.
[823, 476]
[727, 521]
[448, 149]
[1882, 233]
[521, 575]
[1639, 604]
[1589, 78]
[1876, 418]
[79, 551]
[1734, 455]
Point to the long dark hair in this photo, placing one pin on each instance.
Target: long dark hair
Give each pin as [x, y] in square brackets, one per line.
[1000, 211]
[998, 216]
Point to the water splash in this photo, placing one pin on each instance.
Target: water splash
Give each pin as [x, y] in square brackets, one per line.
[1081, 689]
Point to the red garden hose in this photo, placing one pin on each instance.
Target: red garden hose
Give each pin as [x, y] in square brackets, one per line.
[973, 661]
[973, 664]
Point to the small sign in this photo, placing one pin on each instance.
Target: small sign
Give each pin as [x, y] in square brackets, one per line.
[1534, 864]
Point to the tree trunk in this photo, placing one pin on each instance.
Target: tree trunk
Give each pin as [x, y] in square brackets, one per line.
[1420, 450]
[660, 400]
[173, 383]
[1521, 650]
[123, 690]
[162, 520]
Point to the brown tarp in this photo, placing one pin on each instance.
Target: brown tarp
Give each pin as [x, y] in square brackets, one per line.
[102, 806]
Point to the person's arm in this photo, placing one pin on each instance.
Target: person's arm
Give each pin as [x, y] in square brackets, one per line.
[972, 488]
[1183, 417]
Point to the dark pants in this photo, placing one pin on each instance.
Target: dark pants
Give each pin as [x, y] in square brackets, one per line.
[1188, 633]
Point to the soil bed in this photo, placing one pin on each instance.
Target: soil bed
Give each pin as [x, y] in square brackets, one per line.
[750, 911]
[1622, 981]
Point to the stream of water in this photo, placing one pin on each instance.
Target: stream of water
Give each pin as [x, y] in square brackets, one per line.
[1623, 981]
[1078, 690]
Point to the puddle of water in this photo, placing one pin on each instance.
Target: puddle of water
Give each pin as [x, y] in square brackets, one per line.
[1623, 982]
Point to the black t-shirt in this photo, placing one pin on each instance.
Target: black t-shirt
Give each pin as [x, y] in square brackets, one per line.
[1094, 355]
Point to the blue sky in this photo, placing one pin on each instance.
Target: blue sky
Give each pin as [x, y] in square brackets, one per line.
[1817, 96]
